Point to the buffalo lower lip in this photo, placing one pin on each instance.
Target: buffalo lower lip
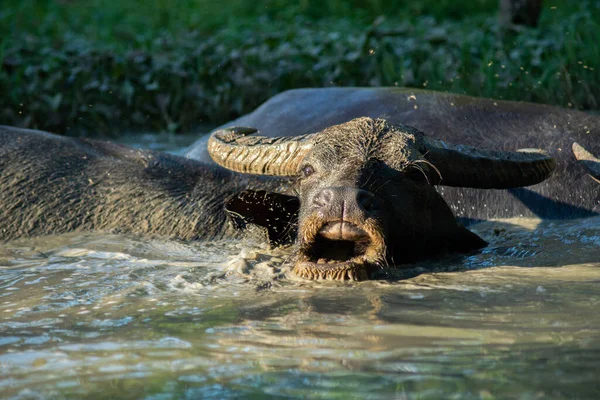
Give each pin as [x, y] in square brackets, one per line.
[332, 265]
[351, 270]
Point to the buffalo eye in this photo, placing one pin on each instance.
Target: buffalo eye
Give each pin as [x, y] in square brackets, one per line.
[307, 171]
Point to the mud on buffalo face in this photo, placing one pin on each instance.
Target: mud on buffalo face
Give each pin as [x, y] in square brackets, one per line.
[366, 192]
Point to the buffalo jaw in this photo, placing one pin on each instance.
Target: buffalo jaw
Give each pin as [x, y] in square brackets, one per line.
[339, 249]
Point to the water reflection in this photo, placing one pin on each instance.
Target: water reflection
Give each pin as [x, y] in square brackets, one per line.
[121, 316]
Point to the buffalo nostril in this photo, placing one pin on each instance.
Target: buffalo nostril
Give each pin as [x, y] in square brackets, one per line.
[366, 200]
[323, 198]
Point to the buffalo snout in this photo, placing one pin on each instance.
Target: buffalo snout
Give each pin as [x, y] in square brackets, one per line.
[344, 203]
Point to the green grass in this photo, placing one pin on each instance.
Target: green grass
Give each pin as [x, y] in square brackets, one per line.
[118, 20]
[79, 66]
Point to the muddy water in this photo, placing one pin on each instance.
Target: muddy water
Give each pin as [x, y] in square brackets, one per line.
[117, 316]
[110, 316]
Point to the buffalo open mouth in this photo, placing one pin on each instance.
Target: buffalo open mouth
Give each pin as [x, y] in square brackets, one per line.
[339, 251]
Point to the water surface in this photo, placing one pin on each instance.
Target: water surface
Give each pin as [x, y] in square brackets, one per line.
[120, 316]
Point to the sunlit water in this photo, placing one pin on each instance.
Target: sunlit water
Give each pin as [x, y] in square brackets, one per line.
[111, 316]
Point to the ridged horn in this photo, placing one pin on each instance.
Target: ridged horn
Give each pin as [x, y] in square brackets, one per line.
[588, 160]
[281, 156]
[466, 166]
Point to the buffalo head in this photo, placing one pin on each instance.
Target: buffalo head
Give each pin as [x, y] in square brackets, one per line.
[366, 192]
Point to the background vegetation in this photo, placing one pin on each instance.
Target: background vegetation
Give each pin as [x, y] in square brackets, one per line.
[91, 66]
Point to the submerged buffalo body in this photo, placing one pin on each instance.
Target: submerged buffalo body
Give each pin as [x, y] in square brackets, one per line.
[54, 184]
[355, 194]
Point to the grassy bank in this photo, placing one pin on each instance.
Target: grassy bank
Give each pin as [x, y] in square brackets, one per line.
[78, 67]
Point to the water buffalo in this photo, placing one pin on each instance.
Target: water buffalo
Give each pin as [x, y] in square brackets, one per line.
[358, 195]
[366, 190]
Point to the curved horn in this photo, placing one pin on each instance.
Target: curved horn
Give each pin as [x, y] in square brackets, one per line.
[591, 163]
[233, 149]
[467, 166]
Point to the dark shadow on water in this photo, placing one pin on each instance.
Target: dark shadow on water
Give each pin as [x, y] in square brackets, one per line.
[546, 208]
[540, 206]
[466, 222]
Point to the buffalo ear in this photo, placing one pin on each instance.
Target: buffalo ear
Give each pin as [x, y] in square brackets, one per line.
[274, 212]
